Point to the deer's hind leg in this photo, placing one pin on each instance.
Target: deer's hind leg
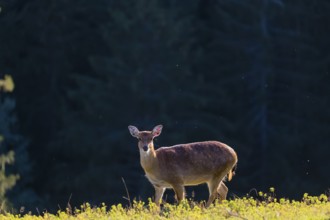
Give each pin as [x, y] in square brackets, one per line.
[222, 190]
[213, 185]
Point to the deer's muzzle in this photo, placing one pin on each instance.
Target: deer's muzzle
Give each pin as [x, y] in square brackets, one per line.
[145, 147]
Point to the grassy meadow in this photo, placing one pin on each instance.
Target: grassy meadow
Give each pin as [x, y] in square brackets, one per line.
[265, 207]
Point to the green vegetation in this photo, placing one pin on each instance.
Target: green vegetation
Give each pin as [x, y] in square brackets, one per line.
[310, 207]
[15, 166]
[6, 181]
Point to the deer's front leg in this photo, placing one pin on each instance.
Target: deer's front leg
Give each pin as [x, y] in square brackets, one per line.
[159, 191]
[179, 192]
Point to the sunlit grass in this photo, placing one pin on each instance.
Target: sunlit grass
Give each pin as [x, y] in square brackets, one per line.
[265, 207]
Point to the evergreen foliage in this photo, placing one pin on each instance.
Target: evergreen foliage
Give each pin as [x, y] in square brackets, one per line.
[272, 73]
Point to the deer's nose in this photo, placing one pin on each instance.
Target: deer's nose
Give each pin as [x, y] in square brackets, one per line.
[145, 147]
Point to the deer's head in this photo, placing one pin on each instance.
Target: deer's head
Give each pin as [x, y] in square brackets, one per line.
[145, 137]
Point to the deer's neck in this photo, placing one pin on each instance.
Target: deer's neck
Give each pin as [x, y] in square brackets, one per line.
[148, 159]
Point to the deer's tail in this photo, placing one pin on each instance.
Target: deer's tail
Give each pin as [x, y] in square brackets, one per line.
[232, 172]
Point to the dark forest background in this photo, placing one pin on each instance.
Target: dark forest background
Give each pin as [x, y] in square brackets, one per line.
[254, 74]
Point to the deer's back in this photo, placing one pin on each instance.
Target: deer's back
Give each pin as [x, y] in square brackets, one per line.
[195, 160]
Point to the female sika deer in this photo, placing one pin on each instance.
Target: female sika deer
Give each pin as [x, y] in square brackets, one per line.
[185, 165]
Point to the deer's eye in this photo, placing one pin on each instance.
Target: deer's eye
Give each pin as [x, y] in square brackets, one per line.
[140, 139]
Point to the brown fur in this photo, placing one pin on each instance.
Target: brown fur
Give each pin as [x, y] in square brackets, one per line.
[185, 164]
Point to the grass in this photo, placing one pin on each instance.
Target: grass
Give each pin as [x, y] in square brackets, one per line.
[265, 207]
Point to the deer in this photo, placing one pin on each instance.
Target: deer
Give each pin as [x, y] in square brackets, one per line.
[190, 164]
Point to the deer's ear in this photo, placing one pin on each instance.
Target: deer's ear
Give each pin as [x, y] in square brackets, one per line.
[157, 130]
[134, 131]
